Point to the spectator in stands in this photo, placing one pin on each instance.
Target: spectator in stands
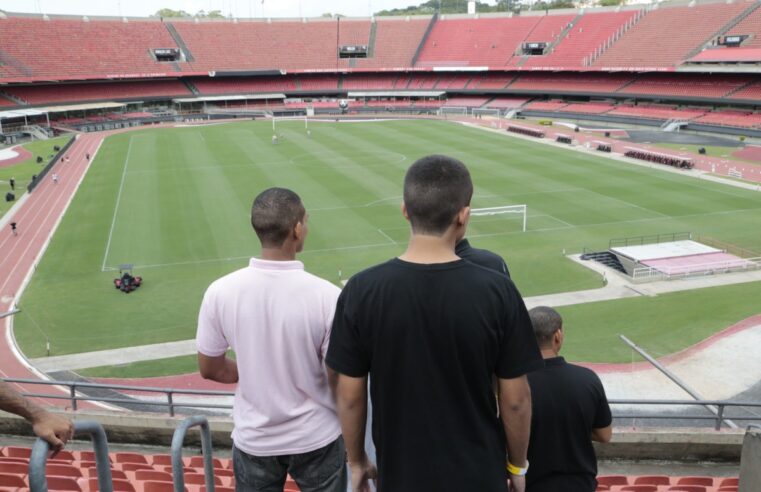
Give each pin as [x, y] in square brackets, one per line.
[481, 257]
[432, 330]
[277, 319]
[56, 430]
[570, 411]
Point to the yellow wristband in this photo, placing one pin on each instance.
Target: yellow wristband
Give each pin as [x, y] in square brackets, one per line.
[516, 470]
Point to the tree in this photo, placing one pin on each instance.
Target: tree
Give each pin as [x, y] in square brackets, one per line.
[171, 13]
[212, 14]
[611, 3]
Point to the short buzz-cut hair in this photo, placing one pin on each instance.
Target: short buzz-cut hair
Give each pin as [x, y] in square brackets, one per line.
[436, 188]
[274, 214]
[546, 322]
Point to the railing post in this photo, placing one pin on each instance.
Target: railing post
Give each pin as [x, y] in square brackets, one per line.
[170, 402]
[719, 417]
[73, 393]
[38, 459]
[177, 440]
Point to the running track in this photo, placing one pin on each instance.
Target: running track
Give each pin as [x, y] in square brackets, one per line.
[37, 219]
[39, 216]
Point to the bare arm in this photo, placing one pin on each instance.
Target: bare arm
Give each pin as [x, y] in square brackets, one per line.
[515, 412]
[351, 400]
[603, 434]
[219, 369]
[56, 430]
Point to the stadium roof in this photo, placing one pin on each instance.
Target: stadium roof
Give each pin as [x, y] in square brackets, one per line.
[228, 98]
[83, 107]
[397, 94]
[20, 113]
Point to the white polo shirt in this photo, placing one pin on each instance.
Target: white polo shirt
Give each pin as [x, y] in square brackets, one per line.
[277, 319]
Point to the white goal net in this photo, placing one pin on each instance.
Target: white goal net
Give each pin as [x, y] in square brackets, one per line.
[488, 112]
[453, 110]
[506, 209]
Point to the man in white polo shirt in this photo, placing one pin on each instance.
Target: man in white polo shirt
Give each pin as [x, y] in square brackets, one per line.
[277, 319]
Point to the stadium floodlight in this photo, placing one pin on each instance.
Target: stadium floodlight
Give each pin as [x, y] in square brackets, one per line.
[506, 209]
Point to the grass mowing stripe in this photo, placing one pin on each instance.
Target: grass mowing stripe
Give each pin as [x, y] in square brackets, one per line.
[116, 205]
[184, 213]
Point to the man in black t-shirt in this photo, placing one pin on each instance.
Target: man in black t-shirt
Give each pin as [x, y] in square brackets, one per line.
[432, 330]
[570, 411]
[482, 257]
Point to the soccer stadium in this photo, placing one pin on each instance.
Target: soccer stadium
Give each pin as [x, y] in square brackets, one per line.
[615, 153]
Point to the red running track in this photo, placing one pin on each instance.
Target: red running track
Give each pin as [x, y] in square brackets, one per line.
[37, 219]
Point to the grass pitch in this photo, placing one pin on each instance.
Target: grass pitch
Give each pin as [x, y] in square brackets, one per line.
[175, 202]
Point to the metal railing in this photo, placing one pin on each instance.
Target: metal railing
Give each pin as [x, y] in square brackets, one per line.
[177, 441]
[651, 239]
[171, 406]
[719, 418]
[169, 393]
[37, 461]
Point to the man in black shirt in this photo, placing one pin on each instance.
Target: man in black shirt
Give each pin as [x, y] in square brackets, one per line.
[482, 257]
[570, 410]
[432, 330]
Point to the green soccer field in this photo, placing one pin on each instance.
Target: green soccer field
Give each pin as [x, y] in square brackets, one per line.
[175, 202]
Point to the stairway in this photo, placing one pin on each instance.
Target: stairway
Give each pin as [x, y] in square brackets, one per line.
[187, 55]
[371, 42]
[607, 258]
[727, 27]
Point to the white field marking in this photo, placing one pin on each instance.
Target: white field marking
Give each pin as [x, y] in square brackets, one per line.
[116, 207]
[649, 219]
[556, 219]
[238, 258]
[376, 202]
[386, 236]
[629, 204]
[640, 167]
[507, 233]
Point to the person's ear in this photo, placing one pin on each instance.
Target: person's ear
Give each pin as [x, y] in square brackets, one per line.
[404, 212]
[298, 230]
[463, 216]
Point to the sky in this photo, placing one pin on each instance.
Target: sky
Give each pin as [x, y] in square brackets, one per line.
[239, 8]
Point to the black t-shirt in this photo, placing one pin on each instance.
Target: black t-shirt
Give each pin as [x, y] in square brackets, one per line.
[482, 257]
[567, 402]
[432, 337]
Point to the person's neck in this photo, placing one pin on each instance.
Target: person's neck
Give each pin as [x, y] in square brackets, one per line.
[278, 254]
[549, 353]
[427, 249]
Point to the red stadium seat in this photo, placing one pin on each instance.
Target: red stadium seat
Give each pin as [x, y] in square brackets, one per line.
[652, 480]
[705, 481]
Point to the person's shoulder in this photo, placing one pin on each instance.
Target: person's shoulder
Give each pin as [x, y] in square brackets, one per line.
[230, 279]
[320, 283]
[582, 372]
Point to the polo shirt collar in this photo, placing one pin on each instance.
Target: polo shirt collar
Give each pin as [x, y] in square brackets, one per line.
[275, 265]
[554, 361]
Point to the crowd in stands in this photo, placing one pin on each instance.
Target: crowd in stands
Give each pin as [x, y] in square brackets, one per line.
[669, 160]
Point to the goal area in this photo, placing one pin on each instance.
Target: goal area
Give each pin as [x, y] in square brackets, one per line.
[506, 209]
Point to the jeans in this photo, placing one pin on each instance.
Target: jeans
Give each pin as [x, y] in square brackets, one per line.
[321, 470]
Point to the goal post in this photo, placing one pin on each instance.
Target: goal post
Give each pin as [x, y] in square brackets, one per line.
[453, 110]
[506, 209]
[490, 112]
